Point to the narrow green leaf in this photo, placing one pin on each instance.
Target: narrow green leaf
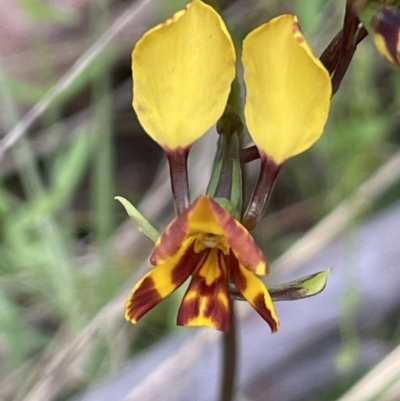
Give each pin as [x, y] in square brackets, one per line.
[20, 339]
[143, 225]
[69, 169]
[30, 92]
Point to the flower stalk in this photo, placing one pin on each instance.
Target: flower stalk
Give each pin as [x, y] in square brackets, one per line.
[229, 363]
[177, 161]
[225, 184]
[269, 171]
[183, 71]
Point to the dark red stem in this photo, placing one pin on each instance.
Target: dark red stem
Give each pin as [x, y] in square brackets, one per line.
[262, 192]
[177, 160]
[338, 55]
[249, 154]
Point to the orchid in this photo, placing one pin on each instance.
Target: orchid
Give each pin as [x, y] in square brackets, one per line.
[209, 244]
[182, 75]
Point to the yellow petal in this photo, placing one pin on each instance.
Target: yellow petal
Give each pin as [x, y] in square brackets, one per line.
[256, 293]
[207, 216]
[182, 71]
[288, 89]
[161, 281]
[207, 302]
[171, 240]
[384, 47]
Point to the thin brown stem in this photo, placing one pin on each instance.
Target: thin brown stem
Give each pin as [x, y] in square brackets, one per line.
[351, 29]
[177, 160]
[338, 55]
[229, 362]
[249, 154]
[255, 210]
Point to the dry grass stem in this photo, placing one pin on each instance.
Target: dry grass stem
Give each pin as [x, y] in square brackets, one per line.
[375, 384]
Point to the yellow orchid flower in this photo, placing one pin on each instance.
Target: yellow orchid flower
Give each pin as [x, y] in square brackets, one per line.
[209, 244]
[183, 70]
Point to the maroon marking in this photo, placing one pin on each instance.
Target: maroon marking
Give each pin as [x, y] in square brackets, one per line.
[143, 299]
[171, 239]
[215, 309]
[238, 278]
[187, 265]
[217, 312]
[297, 32]
[239, 239]
[140, 108]
[172, 18]
[187, 311]
[259, 306]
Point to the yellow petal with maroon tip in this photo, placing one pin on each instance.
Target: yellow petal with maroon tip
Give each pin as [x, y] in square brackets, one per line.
[172, 239]
[182, 71]
[255, 292]
[207, 302]
[386, 27]
[161, 281]
[288, 89]
[210, 214]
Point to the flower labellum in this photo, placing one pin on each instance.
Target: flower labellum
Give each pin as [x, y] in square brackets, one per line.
[207, 243]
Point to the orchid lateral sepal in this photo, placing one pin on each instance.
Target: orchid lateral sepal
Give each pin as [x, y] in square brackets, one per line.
[259, 201]
[225, 185]
[177, 160]
[301, 288]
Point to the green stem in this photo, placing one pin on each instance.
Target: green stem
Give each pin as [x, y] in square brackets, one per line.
[229, 362]
[225, 184]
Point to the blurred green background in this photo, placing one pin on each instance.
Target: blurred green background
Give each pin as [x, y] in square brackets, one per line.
[66, 246]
